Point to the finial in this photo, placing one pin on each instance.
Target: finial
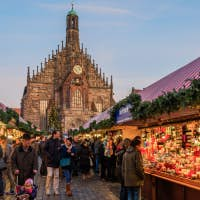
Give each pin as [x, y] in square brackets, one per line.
[85, 51]
[56, 51]
[103, 76]
[107, 81]
[100, 72]
[28, 73]
[37, 69]
[93, 62]
[97, 68]
[52, 53]
[58, 48]
[82, 47]
[72, 3]
[111, 81]
[33, 74]
[41, 68]
[45, 60]
[49, 56]
[62, 44]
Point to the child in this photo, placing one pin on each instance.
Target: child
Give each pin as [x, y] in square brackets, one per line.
[28, 189]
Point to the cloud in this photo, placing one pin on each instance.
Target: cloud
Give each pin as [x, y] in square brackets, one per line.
[53, 6]
[97, 9]
[103, 10]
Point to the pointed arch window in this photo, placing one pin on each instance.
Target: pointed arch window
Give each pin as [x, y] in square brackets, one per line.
[77, 99]
[99, 104]
[73, 23]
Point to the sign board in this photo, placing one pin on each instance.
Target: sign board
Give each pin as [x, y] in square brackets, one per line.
[123, 114]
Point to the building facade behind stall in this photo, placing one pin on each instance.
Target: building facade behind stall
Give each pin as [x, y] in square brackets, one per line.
[70, 81]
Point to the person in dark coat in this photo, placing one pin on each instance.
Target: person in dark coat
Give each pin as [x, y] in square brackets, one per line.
[84, 154]
[76, 159]
[97, 146]
[102, 161]
[24, 160]
[42, 154]
[110, 159]
[52, 149]
[67, 154]
[132, 170]
[121, 149]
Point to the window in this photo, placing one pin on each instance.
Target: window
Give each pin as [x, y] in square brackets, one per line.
[73, 23]
[77, 99]
[99, 107]
[99, 104]
[43, 117]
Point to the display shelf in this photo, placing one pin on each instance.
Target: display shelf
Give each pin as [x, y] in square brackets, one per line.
[194, 184]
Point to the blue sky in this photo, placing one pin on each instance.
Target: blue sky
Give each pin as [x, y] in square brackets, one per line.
[137, 41]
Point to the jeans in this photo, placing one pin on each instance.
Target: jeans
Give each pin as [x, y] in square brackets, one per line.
[97, 163]
[133, 193]
[123, 195]
[67, 174]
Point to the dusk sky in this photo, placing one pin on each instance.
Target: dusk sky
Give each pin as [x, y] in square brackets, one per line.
[137, 41]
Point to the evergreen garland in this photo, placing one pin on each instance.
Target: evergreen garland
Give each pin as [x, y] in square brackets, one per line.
[9, 115]
[167, 103]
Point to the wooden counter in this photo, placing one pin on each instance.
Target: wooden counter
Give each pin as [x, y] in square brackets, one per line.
[163, 186]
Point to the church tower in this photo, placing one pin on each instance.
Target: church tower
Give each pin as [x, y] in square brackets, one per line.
[69, 80]
[72, 31]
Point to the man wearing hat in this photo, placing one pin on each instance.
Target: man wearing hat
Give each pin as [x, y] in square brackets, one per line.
[24, 160]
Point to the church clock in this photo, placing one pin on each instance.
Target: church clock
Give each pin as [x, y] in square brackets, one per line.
[77, 69]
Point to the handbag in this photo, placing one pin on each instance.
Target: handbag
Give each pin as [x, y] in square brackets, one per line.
[64, 162]
[2, 165]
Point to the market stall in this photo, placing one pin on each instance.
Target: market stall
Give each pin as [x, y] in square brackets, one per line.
[171, 156]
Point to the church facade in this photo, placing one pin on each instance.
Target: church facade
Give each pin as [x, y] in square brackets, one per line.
[69, 80]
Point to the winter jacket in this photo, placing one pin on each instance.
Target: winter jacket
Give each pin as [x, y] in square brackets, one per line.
[52, 149]
[65, 154]
[97, 146]
[132, 168]
[25, 162]
[41, 150]
[84, 155]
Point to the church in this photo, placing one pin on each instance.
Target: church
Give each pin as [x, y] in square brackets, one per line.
[69, 80]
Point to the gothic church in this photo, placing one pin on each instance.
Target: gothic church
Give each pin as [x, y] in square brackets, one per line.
[70, 81]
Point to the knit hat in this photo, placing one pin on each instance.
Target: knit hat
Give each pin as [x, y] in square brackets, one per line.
[29, 181]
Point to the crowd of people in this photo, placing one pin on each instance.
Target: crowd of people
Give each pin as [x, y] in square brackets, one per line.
[111, 159]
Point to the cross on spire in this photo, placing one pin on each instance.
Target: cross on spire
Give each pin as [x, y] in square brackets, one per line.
[72, 3]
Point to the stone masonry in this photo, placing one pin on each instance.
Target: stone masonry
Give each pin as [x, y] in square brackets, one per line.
[69, 80]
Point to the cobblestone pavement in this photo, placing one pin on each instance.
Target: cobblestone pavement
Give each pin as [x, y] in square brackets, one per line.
[90, 189]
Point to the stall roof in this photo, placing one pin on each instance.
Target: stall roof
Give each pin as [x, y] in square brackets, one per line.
[99, 117]
[176, 80]
[2, 107]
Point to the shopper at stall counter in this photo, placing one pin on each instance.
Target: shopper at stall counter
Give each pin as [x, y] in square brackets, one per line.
[132, 170]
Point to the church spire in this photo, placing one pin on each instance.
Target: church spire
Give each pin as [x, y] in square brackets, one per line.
[72, 31]
[111, 82]
[28, 73]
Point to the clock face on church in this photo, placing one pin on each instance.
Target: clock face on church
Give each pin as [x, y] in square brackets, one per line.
[77, 69]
